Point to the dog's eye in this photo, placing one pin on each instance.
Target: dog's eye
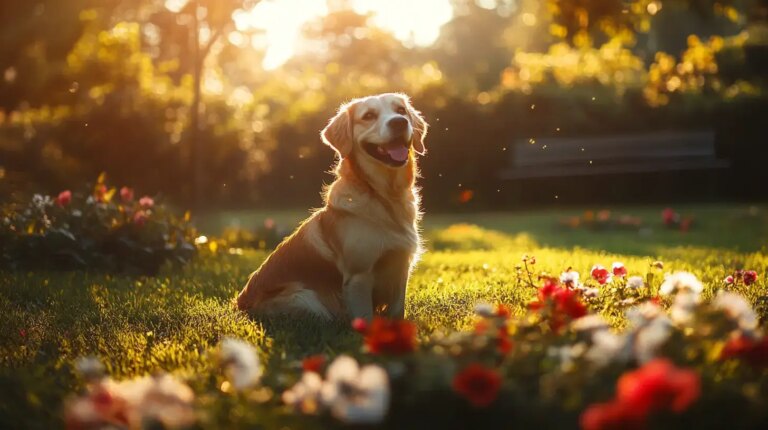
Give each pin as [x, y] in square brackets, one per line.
[370, 115]
[401, 110]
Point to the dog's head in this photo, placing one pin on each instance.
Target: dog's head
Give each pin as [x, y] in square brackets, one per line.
[383, 127]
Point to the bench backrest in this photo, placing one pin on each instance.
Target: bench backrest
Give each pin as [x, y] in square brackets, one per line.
[652, 152]
[648, 147]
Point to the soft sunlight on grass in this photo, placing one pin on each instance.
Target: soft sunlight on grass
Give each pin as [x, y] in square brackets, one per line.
[738, 227]
[173, 322]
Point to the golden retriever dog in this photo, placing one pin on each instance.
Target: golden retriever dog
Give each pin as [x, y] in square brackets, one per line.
[352, 258]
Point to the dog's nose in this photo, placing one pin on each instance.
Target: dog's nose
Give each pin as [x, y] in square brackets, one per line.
[398, 124]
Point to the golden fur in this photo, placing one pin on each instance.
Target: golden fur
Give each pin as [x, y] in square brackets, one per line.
[353, 257]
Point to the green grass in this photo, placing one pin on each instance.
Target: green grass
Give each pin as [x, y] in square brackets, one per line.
[173, 321]
[734, 227]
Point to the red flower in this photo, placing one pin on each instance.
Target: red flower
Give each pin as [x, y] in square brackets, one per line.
[504, 344]
[313, 363]
[479, 385]
[558, 304]
[23, 333]
[657, 386]
[360, 325]
[100, 191]
[503, 311]
[750, 276]
[609, 416]
[729, 279]
[140, 218]
[481, 326]
[619, 269]
[669, 216]
[601, 274]
[64, 198]
[146, 202]
[753, 352]
[126, 194]
[386, 336]
[685, 224]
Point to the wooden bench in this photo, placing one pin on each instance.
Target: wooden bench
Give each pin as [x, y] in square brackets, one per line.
[654, 152]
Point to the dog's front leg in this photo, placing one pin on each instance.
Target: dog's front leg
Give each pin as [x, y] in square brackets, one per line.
[358, 295]
[392, 272]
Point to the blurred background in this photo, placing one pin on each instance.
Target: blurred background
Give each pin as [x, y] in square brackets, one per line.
[217, 104]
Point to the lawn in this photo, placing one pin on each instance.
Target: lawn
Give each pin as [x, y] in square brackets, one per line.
[173, 321]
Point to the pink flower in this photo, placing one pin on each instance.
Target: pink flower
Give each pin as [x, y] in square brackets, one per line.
[126, 194]
[728, 279]
[64, 198]
[601, 274]
[140, 218]
[619, 269]
[750, 276]
[146, 202]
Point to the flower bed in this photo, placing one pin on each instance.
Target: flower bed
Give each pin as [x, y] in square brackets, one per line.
[679, 360]
[97, 228]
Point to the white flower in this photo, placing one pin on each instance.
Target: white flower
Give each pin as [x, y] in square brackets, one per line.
[606, 347]
[241, 363]
[590, 323]
[356, 395]
[144, 401]
[89, 367]
[682, 309]
[304, 396]
[169, 402]
[565, 355]
[40, 202]
[680, 281]
[737, 308]
[628, 301]
[591, 292]
[484, 309]
[650, 329]
[570, 278]
[642, 314]
[651, 337]
[635, 282]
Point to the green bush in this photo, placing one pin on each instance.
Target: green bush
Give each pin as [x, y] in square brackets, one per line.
[98, 228]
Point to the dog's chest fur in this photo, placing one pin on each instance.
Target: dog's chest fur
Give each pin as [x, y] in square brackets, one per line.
[366, 227]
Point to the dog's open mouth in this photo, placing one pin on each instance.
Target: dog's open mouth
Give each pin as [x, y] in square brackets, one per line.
[393, 153]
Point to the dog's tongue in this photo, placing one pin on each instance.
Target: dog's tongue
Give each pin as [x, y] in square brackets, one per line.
[398, 152]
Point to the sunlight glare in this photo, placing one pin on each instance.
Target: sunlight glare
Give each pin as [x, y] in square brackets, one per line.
[175, 6]
[412, 22]
[281, 21]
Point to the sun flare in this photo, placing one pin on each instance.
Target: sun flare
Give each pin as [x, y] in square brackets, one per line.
[281, 21]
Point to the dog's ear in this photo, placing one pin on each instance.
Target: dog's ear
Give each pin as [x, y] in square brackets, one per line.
[419, 129]
[338, 133]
